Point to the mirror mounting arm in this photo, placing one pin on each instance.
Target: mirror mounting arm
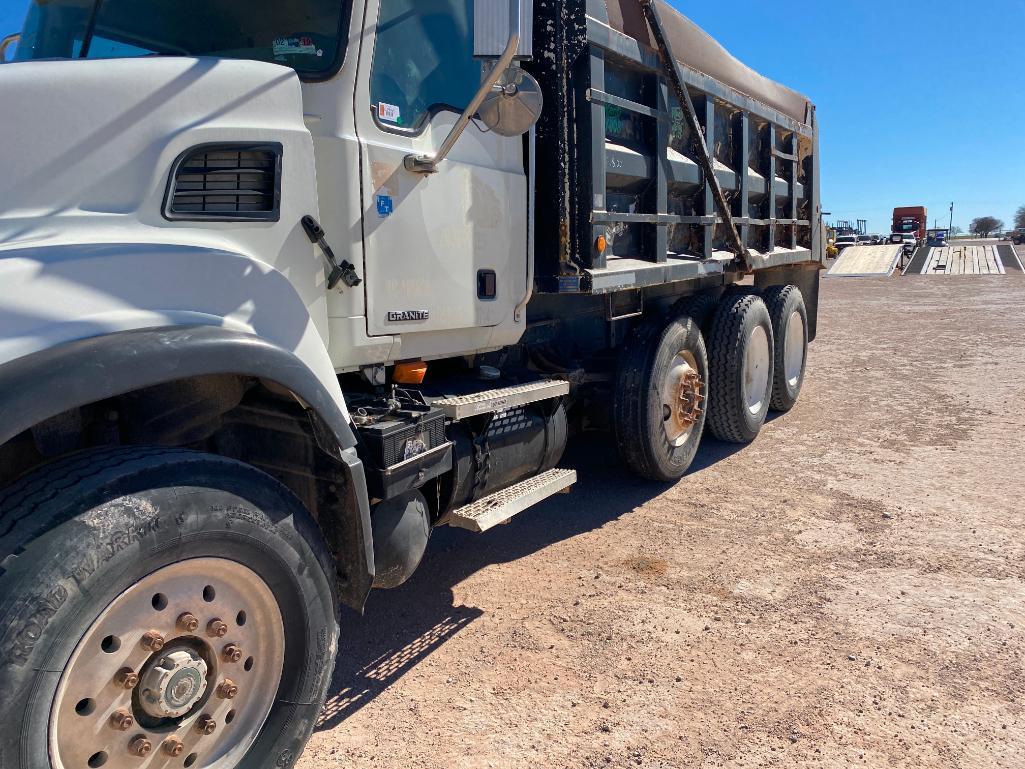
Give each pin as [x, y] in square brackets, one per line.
[6, 43]
[428, 164]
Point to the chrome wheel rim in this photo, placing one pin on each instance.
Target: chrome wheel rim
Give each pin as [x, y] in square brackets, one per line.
[205, 643]
[682, 398]
[793, 349]
[757, 363]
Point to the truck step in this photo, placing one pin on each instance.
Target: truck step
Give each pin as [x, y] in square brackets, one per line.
[499, 507]
[489, 401]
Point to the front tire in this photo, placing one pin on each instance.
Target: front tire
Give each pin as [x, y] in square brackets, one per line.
[740, 360]
[105, 553]
[659, 406]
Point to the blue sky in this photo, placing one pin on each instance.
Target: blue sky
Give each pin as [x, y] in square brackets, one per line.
[919, 102]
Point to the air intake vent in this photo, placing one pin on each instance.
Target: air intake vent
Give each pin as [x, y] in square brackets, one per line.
[226, 182]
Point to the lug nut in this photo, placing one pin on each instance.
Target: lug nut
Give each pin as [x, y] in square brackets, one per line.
[152, 641]
[206, 724]
[216, 628]
[231, 652]
[188, 623]
[173, 747]
[126, 678]
[140, 746]
[122, 720]
[227, 690]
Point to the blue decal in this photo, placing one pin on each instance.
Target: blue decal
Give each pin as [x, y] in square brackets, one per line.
[569, 284]
[384, 205]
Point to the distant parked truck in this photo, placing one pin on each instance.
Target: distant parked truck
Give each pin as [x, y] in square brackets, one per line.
[913, 219]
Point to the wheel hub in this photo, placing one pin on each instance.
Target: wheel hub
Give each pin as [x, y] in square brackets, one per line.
[688, 407]
[173, 683]
[197, 699]
[793, 349]
[757, 369]
[682, 398]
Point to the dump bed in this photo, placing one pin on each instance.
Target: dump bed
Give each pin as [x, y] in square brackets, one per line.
[615, 158]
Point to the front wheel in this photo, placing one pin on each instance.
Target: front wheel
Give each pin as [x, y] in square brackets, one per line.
[163, 608]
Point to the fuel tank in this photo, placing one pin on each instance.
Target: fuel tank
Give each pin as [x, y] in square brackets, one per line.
[491, 454]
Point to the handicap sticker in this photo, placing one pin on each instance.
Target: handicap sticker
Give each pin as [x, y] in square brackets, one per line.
[389, 112]
[294, 46]
[384, 205]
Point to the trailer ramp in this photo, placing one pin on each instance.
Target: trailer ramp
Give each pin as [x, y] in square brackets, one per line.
[1010, 258]
[918, 260]
[966, 260]
[866, 262]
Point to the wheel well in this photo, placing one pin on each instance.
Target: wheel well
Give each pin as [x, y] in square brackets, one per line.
[245, 418]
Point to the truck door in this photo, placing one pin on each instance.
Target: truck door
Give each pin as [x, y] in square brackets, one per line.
[446, 250]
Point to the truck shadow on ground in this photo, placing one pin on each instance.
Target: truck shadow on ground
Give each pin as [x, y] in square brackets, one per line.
[402, 627]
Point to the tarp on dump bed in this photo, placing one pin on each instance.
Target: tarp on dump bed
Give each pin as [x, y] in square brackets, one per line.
[702, 53]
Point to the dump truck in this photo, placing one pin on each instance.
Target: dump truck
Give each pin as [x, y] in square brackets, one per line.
[284, 287]
[912, 220]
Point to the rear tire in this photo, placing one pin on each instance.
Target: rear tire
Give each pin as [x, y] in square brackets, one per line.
[661, 387]
[87, 543]
[790, 331]
[740, 361]
[698, 307]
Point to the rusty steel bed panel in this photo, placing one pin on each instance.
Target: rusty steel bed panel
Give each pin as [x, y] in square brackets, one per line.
[615, 159]
[704, 54]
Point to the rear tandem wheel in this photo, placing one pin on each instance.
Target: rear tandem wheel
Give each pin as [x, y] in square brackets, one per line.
[790, 330]
[740, 361]
[659, 400]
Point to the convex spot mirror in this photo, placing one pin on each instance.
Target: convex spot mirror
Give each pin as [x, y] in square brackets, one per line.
[514, 104]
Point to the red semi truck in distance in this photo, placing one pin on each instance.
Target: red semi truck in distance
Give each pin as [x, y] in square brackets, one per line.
[914, 219]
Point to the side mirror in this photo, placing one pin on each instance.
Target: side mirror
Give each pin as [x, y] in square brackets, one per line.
[502, 31]
[9, 42]
[514, 104]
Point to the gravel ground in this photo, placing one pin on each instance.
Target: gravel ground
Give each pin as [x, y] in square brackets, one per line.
[848, 591]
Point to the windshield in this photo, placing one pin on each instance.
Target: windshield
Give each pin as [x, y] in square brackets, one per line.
[302, 34]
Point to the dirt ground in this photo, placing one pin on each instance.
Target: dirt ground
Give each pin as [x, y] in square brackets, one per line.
[848, 591]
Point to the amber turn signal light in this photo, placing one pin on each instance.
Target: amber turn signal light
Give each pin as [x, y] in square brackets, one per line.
[409, 373]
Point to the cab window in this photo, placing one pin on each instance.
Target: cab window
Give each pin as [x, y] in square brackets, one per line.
[302, 34]
[423, 61]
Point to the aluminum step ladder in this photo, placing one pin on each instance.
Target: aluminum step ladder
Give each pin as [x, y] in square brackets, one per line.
[499, 507]
[489, 401]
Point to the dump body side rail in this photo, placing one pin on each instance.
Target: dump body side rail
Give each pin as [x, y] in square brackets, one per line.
[698, 145]
[617, 161]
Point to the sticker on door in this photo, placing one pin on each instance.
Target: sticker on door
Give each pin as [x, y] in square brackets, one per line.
[389, 112]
